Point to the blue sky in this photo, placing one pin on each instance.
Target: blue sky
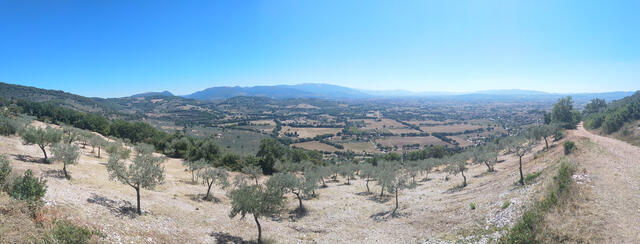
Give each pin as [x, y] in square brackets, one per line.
[117, 48]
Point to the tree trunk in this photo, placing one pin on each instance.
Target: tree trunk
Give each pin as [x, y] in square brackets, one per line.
[396, 208]
[488, 167]
[193, 176]
[64, 169]
[259, 229]
[206, 197]
[348, 183]
[256, 178]
[546, 143]
[44, 152]
[299, 200]
[138, 198]
[98, 151]
[464, 183]
[521, 176]
[381, 191]
[367, 184]
[323, 184]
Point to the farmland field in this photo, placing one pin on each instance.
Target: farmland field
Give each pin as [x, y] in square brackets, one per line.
[422, 140]
[309, 132]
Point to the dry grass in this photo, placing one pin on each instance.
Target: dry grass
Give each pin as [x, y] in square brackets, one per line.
[340, 214]
[450, 128]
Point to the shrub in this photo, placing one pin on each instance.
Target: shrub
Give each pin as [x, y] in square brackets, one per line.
[67, 232]
[505, 204]
[532, 176]
[5, 171]
[8, 126]
[29, 188]
[569, 146]
[472, 206]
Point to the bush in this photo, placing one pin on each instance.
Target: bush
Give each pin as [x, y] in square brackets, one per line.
[472, 206]
[67, 232]
[532, 176]
[569, 146]
[5, 171]
[505, 204]
[594, 121]
[8, 126]
[29, 188]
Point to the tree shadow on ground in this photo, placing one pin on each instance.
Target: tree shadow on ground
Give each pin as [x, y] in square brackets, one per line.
[485, 173]
[201, 198]
[456, 188]
[226, 238]
[364, 193]
[378, 199]
[386, 215]
[29, 159]
[118, 208]
[53, 173]
[297, 214]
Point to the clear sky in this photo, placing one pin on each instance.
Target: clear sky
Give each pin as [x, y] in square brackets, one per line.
[117, 48]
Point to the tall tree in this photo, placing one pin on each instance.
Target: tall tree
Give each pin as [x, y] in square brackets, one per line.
[42, 137]
[144, 172]
[271, 150]
[66, 153]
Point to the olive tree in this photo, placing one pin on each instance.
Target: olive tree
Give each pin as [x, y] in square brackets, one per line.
[212, 175]
[347, 170]
[522, 146]
[427, 165]
[398, 182]
[66, 153]
[144, 171]
[544, 132]
[195, 167]
[252, 171]
[99, 142]
[257, 200]
[42, 137]
[484, 155]
[289, 182]
[457, 163]
[367, 172]
[385, 174]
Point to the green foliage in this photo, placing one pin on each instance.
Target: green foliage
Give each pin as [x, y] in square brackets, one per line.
[472, 205]
[506, 204]
[66, 153]
[457, 163]
[594, 121]
[68, 233]
[271, 150]
[212, 176]
[525, 230]
[437, 151]
[618, 113]
[253, 171]
[569, 146]
[257, 200]
[232, 162]
[595, 106]
[29, 188]
[392, 156]
[42, 137]
[5, 171]
[347, 170]
[145, 171]
[195, 167]
[8, 126]
[532, 176]
[564, 115]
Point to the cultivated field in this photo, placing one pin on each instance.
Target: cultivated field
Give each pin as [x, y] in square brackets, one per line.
[391, 141]
[309, 132]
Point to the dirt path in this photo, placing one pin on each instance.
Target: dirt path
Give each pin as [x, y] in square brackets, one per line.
[613, 175]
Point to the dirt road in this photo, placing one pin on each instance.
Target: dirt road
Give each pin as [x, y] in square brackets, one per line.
[609, 172]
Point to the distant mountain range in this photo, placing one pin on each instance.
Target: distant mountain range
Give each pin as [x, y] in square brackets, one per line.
[326, 91]
[151, 94]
